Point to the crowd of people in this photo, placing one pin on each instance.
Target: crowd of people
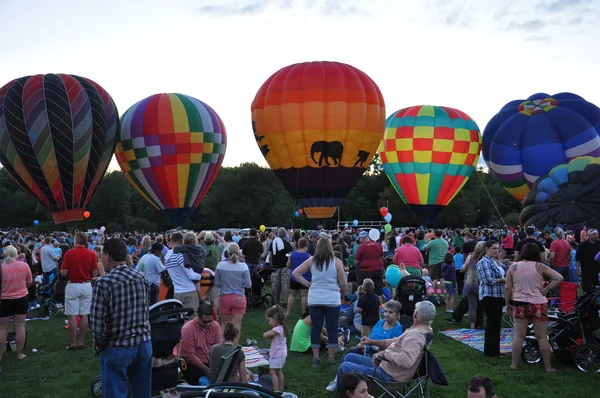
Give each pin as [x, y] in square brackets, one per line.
[110, 281]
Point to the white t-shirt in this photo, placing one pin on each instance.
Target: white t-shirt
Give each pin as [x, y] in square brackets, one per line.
[151, 265]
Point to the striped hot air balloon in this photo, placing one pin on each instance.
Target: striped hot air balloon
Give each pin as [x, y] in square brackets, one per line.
[527, 138]
[429, 153]
[171, 150]
[57, 136]
[318, 125]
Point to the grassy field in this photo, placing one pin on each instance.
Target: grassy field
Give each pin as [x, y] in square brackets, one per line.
[54, 372]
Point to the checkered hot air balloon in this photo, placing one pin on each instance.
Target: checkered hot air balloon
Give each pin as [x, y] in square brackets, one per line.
[171, 150]
[57, 136]
[527, 138]
[429, 153]
[318, 125]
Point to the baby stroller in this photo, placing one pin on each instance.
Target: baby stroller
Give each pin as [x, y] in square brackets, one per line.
[409, 292]
[166, 320]
[571, 336]
[256, 296]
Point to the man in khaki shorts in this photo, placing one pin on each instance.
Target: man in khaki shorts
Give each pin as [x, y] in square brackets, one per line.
[79, 266]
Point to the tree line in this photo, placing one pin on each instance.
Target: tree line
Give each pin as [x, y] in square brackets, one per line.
[249, 195]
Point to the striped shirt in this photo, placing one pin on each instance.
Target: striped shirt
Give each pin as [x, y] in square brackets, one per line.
[232, 278]
[119, 313]
[488, 271]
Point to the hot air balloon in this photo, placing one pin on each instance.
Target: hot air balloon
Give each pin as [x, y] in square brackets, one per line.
[568, 195]
[57, 136]
[527, 138]
[429, 153]
[318, 125]
[171, 150]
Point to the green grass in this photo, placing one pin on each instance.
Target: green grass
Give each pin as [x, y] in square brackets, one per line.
[54, 372]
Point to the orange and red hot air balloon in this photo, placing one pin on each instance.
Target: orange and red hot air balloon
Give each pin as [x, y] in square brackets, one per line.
[318, 125]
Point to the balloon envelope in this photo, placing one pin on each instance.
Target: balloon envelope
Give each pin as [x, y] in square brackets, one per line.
[207, 282]
[429, 153]
[568, 196]
[318, 125]
[527, 138]
[171, 150]
[393, 276]
[57, 136]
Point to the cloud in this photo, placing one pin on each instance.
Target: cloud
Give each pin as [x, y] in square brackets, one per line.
[252, 7]
[561, 5]
[531, 25]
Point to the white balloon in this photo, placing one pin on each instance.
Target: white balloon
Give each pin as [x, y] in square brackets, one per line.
[374, 235]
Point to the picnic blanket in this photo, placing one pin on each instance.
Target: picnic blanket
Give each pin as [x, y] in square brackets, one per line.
[474, 338]
[254, 358]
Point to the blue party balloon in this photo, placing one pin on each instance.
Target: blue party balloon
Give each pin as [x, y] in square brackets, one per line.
[393, 276]
[346, 225]
[36, 222]
[388, 217]
[297, 214]
[355, 223]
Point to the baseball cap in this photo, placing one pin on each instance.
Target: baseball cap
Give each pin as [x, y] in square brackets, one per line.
[559, 231]
[315, 234]
[156, 247]
[209, 237]
[530, 229]
[363, 234]
[426, 310]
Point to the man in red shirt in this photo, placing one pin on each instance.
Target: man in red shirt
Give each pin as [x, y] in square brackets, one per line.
[79, 266]
[369, 260]
[560, 254]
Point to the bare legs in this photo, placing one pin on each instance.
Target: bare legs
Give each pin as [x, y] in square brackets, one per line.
[19, 334]
[4, 322]
[517, 344]
[292, 300]
[541, 333]
[278, 380]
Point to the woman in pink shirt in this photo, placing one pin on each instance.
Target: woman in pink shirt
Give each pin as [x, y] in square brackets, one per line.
[16, 277]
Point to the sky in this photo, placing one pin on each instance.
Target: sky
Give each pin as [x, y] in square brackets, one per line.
[473, 55]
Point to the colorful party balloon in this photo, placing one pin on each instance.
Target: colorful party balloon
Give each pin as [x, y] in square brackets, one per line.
[383, 211]
[171, 150]
[429, 153]
[86, 214]
[102, 229]
[296, 214]
[388, 217]
[35, 222]
[527, 138]
[57, 136]
[355, 223]
[318, 125]
[301, 211]
[262, 228]
[387, 228]
[569, 195]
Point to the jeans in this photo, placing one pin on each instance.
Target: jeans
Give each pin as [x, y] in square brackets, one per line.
[331, 315]
[252, 267]
[46, 276]
[361, 364]
[153, 296]
[127, 370]
[492, 306]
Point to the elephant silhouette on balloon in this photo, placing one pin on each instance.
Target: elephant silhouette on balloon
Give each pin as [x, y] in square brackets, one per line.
[327, 150]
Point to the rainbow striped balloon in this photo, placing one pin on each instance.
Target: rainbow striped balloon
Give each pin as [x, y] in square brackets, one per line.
[171, 150]
[429, 153]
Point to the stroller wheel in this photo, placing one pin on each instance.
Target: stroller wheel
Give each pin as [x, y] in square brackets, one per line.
[587, 358]
[268, 300]
[531, 353]
[96, 386]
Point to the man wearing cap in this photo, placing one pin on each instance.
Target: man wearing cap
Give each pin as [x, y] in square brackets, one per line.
[151, 265]
[252, 251]
[369, 262]
[586, 265]
[399, 358]
[214, 245]
[530, 231]
[560, 254]
[312, 242]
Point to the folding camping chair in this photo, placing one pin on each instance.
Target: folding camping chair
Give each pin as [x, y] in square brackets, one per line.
[429, 370]
[226, 367]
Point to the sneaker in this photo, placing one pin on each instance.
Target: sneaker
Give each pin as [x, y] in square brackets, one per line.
[316, 362]
[449, 311]
[332, 386]
[451, 320]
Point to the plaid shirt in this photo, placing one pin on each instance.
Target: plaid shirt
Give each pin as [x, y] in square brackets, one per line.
[119, 313]
[487, 272]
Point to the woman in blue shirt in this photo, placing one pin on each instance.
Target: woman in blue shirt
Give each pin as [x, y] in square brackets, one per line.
[294, 260]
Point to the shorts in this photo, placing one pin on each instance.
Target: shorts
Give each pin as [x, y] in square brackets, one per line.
[282, 274]
[450, 288]
[213, 293]
[232, 304]
[533, 312]
[436, 271]
[78, 298]
[189, 300]
[9, 307]
[276, 363]
[375, 276]
[297, 286]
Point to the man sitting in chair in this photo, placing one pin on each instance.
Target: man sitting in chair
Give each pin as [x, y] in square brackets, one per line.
[401, 356]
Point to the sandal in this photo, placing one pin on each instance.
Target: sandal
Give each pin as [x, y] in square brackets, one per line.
[332, 361]
[80, 346]
[72, 348]
[316, 362]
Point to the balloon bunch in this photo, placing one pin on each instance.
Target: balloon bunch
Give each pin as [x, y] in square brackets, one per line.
[387, 216]
[299, 213]
[393, 274]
